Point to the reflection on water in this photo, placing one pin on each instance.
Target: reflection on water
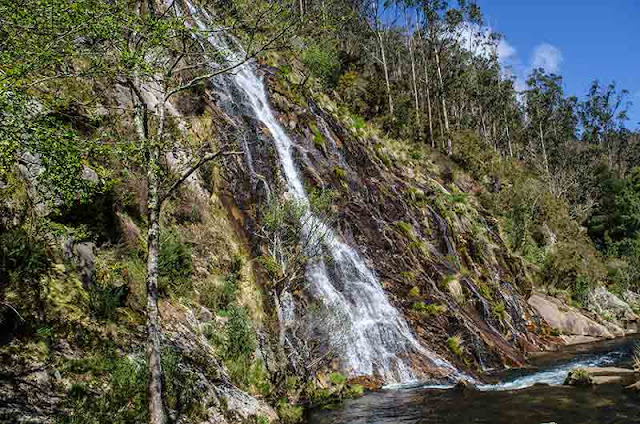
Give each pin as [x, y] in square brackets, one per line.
[534, 405]
[499, 402]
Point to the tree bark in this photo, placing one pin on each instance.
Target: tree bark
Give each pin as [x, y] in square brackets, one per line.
[444, 103]
[426, 83]
[544, 151]
[386, 71]
[415, 84]
[281, 328]
[157, 413]
[506, 126]
[156, 406]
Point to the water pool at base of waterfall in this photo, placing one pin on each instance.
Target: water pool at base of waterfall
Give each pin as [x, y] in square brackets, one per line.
[525, 396]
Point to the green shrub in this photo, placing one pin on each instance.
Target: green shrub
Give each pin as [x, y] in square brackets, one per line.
[249, 374]
[354, 391]
[239, 334]
[174, 264]
[351, 88]
[318, 396]
[499, 311]
[414, 292]
[339, 173]
[455, 345]
[458, 198]
[23, 262]
[574, 266]
[415, 154]
[410, 276]
[417, 196]
[406, 229]
[103, 300]
[359, 123]
[337, 379]
[288, 413]
[485, 289]
[219, 297]
[321, 59]
[318, 138]
[431, 309]
[446, 280]
[123, 399]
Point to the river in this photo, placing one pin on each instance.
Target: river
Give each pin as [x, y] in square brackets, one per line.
[532, 395]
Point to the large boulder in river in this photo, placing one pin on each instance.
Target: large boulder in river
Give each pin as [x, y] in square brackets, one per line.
[567, 319]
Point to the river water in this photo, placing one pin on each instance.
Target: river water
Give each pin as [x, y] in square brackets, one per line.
[525, 396]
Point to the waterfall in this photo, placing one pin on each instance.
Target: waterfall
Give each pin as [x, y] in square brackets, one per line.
[379, 341]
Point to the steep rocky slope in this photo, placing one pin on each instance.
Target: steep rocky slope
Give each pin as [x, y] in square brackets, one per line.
[417, 218]
[439, 255]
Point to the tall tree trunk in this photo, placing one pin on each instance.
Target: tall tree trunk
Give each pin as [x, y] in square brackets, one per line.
[433, 142]
[544, 150]
[428, 90]
[415, 84]
[413, 71]
[386, 71]
[444, 103]
[152, 148]
[156, 406]
[506, 126]
[494, 134]
[441, 128]
[483, 127]
[281, 328]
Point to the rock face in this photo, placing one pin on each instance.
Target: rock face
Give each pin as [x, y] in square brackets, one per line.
[566, 319]
[608, 305]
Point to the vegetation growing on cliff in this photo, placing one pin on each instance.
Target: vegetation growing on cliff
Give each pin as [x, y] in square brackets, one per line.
[112, 213]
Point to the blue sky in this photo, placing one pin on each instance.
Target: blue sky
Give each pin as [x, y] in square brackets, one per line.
[580, 39]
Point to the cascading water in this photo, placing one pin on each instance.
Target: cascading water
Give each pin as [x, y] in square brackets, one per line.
[379, 340]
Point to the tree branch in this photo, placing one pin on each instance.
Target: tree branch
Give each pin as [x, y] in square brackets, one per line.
[229, 68]
[13, 309]
[206, 158]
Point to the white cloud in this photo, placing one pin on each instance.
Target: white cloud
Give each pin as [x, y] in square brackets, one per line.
[477, 39]
[546, 56]
[505, 51]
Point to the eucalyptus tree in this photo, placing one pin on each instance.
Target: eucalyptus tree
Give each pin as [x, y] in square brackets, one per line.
[552, 121]
[375, 13]
[602, 117]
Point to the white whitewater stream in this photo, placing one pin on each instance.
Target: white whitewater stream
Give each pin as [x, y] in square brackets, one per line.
[554, 375]
[378, 339]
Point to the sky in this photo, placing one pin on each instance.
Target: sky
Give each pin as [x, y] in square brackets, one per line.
[581, 40]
